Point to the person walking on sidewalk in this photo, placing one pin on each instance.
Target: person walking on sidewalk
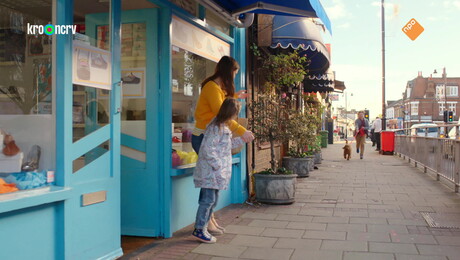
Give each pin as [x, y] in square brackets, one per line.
[377, 126]
[214, 166]
[361, 131]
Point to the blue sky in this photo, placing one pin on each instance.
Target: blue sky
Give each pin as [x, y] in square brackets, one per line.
[356, 46]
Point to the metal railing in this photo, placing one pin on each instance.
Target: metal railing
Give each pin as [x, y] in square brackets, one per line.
[438, 154]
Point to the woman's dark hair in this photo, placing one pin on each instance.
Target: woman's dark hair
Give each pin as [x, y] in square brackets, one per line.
[230, 107]
[224, 70]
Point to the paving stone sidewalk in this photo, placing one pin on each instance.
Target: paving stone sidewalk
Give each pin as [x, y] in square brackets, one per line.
[357, 209]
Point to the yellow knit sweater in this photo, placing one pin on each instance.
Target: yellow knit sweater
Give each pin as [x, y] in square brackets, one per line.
[209, 103]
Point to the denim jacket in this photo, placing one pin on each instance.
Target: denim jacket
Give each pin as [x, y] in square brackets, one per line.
[214, 166]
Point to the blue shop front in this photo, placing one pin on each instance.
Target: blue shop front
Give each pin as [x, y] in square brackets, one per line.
[96, 112]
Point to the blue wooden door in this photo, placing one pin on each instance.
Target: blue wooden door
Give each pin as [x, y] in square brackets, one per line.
[92, 95]
[140, 210]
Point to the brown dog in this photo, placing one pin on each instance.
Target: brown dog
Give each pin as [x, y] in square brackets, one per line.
[347, 151]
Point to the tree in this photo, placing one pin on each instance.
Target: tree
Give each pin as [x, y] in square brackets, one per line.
[270, 110]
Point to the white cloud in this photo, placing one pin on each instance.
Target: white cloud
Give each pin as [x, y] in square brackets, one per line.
[337, 11]
[451, 3]
[435, 19]
[345, 25]
[456, 4]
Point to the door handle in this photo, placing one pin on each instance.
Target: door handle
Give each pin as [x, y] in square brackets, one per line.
[119, 85]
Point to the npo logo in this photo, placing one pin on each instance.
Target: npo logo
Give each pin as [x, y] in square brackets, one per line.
[413, 29]
[51, 29]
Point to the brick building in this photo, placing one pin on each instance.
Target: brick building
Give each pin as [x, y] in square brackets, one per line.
[424, 99]
[395, 114]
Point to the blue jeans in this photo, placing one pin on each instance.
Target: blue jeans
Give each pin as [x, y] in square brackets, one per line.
[196, 142]
[207, 202]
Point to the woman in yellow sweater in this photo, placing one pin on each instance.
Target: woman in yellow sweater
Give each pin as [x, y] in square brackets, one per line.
[213, 93]
[214, 90]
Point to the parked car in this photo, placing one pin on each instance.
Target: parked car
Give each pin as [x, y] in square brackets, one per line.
[398, 131]
[431, 130]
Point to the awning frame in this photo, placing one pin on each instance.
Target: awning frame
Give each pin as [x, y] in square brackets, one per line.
[272, 7]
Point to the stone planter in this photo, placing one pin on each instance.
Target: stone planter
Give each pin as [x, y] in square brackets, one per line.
[311, 163]
[318, 157]
[275, 189]
[299, 166]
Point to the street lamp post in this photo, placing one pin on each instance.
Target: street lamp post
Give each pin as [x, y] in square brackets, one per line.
[444, 76]
[383, 66]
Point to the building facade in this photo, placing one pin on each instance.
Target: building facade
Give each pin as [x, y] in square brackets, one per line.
[395, 114]
[107, 90]
[426, 98]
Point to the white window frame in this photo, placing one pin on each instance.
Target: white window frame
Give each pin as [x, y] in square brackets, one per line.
[452, 91]
[441, 108]
[414, 107]
[452, 106]
[440, 91]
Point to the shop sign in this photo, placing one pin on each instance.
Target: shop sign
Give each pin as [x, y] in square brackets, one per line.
[191, 38]
[91, 66]
[334, 97]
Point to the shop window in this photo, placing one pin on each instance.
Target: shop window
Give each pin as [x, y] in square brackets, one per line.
[188, 71]
[27, 118]
[134, 77]
[91, 68]
[133, 66]
[195, 54]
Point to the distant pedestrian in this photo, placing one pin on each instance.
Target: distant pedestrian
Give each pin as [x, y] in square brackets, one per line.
[372, 135]
[377, 126]
[214, 166]
[361, 131]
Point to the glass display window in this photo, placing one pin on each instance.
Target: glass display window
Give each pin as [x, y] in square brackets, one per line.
[195, 54]
[188, 71]
[27, 118]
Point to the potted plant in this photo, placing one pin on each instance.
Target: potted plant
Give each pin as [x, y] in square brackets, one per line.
[316, 148]
[301, 129]
[275, 187]
[314, 106]
[269, 116]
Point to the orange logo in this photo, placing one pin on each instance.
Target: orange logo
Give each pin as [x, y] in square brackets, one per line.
[412, 29]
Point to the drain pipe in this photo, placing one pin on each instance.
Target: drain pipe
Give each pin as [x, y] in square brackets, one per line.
[247, 20]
